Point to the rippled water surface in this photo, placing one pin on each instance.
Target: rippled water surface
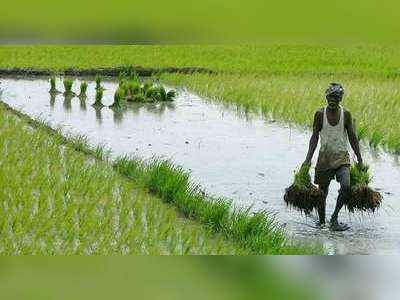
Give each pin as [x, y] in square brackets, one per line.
[240, 156]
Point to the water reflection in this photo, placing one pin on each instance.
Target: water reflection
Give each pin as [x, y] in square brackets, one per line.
[67, 102]
[52, 100]
[82, 103]
[117, 115]
[99, 116]
[154, 108]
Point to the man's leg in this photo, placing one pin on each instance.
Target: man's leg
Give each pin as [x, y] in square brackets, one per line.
[321, 210]
[343, 177]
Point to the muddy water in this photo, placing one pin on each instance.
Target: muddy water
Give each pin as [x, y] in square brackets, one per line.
[243, 157]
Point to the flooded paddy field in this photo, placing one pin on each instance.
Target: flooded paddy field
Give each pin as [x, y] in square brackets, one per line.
[243, 157]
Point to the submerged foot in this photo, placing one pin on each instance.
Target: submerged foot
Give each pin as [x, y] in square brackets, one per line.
[337, 226]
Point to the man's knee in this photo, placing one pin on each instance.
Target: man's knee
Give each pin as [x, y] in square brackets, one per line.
[343, 176]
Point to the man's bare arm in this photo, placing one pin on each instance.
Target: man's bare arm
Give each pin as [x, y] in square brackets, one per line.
[317, 126]
[353, 137]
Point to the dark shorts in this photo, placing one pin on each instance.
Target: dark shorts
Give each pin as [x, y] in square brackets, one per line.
[324, 177]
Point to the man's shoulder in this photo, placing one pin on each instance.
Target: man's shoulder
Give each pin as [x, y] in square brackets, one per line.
[320, 112]
[347, 117]
[346, 113]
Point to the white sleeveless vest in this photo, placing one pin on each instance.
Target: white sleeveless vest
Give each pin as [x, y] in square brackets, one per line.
[334, 138]
[334, 141]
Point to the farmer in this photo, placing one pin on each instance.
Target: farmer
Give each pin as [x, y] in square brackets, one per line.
[334, 124]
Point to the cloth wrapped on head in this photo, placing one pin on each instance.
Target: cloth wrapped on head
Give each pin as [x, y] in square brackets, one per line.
[334, 89]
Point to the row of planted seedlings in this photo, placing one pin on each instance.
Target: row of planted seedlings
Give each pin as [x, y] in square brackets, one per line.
[130, 89]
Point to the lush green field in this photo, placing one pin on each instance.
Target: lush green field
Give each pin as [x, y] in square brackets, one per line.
[288, 81]
[260, 59]
[55, 200]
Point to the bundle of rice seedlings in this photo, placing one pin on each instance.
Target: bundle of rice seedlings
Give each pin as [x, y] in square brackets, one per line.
[147, 86]
[68, 87]
[138, 98]
[163, 95]
[151, 94]
[133, 76]
[99, 97]
[303, 195]
[132, 90]
[53, 88]
[362, 198]
[82, 93]
[98, 82]
[118, 96]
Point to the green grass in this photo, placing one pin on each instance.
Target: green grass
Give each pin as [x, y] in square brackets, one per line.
[56, 200]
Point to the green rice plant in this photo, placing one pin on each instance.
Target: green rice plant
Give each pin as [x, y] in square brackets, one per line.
[147, 85]
[375, 139]
[302, 177]
[133, 76]
[118, 97]
[53, 88]
[68, 87]
[98, 98]
[163, 96]
[83, 89]
[129, 167]
[361, 197]
[133, 88]
[98, 80]
[138, 98]
[151, 94]
[360, 175]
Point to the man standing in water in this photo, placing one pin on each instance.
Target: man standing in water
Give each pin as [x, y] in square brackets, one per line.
[334, 125]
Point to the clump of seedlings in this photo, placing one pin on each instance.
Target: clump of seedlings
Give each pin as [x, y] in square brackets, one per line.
[118, 97]
[53, 88]
[303, 195]
[135, 91]
[68, 87]
[99, 96]
[362, 198]
[83, 89]
[98, 83]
